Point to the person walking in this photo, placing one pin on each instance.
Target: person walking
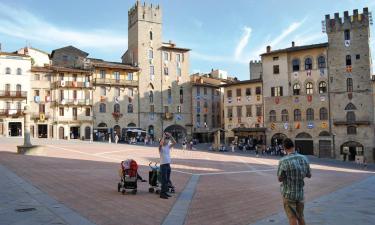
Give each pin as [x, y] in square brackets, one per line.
[292, 170]
[166, 143]
[116, 138]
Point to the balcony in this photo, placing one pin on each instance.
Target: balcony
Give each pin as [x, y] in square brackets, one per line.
[13, 94]
[115, 82]
[40, 116]
[71, 84]
[11, 112]
[74, 102]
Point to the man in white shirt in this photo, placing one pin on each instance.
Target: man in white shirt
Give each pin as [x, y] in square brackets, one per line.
[166, 143]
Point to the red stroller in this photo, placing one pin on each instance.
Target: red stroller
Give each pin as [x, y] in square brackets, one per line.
[128, 174]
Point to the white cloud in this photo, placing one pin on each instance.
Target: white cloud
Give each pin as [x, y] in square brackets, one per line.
[241, 45]
[34, 29]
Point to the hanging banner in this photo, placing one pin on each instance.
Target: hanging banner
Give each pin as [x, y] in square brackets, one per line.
[273, 126]
[258, 97]
[297, 125]
[349, 69]
[310, 125]
[286, 126]
[296, 100]
[116, 99]
[324, 125]
[277, 100]
[322, 98]
[259, 119]
[308, 73]
[347, 43]
[309, 98]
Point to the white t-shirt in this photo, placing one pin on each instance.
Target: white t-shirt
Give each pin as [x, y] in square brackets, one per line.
[165, 154]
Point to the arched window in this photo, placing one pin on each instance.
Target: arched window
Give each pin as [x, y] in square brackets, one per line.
[295, 64]
[8, 70]
[102, 108]
[297, 115]
[322, 87]
[272, 116]
[150, 35]
[321, 62]
[323, 114]
[284, 115]
[351, 130]
[350, 117]
[349, 85]
[309, 88]
[18, 87]
[169, 92]
[151, 96]
[130, 108]
[348, 60]
[308, 64]
[19, 71]
[296, 89]
[116, 108]
[182, 96]
[309, 114]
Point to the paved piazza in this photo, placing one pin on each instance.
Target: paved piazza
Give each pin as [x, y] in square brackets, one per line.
[211, 188]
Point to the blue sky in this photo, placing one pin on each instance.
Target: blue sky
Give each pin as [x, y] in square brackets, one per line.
[222, 34]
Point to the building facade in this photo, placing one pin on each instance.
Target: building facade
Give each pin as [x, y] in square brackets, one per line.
[164, 87]
[14, 92]
[243, 111]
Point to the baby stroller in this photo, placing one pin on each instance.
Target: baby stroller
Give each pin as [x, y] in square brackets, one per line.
[128, 174]
[154, 179]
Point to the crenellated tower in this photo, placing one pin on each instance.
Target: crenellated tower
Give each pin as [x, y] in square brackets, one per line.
[350, 88]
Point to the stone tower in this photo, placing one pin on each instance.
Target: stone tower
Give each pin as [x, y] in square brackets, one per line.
[350, 90]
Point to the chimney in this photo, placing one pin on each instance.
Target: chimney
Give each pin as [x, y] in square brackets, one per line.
[268, 49]
[293, 44]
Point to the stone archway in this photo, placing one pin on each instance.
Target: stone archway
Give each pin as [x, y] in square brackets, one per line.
[61, 133]
[304, 144]
[177, 131]
[350, 150]
[278, 138]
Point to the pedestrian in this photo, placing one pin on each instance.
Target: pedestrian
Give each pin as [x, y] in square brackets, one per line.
[116, 138]
[184, 145]
[292, 170]
[166, 143]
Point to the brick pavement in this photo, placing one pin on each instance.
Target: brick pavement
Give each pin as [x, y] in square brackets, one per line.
[232, 188]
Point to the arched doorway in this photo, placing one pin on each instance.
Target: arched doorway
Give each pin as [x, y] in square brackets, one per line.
[324, 144]
[132, 125]
[117, 130]
[87, 132]
[277, 139]
[102, 133]
[61, 132]
[177, 131]
[350, 149]
[304, 144]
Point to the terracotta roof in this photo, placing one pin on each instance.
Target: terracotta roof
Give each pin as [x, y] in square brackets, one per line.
[252, 81]
[168, 45]
[41, 69]
[113, 65]
[68, 70]
[13, 54]
[296, 48]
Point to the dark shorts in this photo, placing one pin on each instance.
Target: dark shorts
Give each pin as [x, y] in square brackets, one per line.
[294, 209]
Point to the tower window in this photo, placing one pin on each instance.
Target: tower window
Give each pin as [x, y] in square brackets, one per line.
[348, 60]
[349, 84]
[308, 64]
[150, 35]
[347, 35]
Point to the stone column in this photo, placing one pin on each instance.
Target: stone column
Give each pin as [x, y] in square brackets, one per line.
[26, 139]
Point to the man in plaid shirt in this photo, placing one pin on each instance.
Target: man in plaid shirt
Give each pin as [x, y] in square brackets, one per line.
[293, 168]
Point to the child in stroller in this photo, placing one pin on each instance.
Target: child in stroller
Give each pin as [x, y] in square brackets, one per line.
[154, 179]
[129, 176]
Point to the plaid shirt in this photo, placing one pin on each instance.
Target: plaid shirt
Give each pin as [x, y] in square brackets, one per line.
[293, 168]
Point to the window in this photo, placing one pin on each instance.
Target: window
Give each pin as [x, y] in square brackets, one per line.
[178, 57]
[272, 116]
[130, 76]
[348, 59]
[152, 72]
[258, 90]
[198, 91]
[284, 115]
[275, 58]
[7, 70]
[152, 109]
[347, 35]
[351, 130]
[349, 85]
[61, 94]
[179, 71]
[42, 108]
[61, 76]
[350, 106]
[130, 92]
[198, 106]
[249, 112]
[166, 72]
[309, 114]
[308, 64]
[296, 89]
[165, 56]
[276, 69]
[297, 115]
[65, 58]
[258, 110]
[150, 54]
[74, 77]
[130, 108]
[74, 94]
[102, 74]
[151, 96]
[239, 111]
[102, 108]
[117, 92]
[248, 91]
[61, 111]
[350, 117]
[323, 114]
[19, 105]
[198, 118]
[151, 35]
[309, 88]
[87, 112]
[19, 71]
[358, 56]
[103, 91]
[36, 77]
[229, 93]
[322, 87]
[18, 88]
[230, 112]
[36, 93]
[116, 108]
[238, 92]
[181, 96]
[116, 75]
[169, 92]
[276, 91]
[166, 109]
[321, 62]
[295, 64]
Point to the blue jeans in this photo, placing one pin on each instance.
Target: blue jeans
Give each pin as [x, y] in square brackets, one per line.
[165, 172]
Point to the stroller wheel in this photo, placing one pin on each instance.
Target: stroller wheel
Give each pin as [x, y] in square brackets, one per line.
[118, 187]
[123, 191]
[134, 192]
[151, 190]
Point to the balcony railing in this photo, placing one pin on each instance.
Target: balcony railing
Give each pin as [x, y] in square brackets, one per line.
[11, 112]
[40, 116]
[120, 82]
[71, 84]
[77, 102]
[13, 94]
